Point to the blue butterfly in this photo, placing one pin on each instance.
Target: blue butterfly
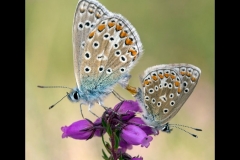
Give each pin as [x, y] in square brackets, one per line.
[105, 48]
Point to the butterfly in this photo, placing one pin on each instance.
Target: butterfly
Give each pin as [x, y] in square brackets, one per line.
[105, 48]
[164, 90]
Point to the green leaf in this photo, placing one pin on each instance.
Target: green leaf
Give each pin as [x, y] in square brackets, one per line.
[104, 123]
[109, 130]
[104, 155]
[117, 139]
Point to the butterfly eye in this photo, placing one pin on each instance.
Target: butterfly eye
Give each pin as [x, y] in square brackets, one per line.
[76, 95]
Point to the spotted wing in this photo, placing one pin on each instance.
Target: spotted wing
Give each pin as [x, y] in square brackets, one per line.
[111, 50]
[88, 13]
[166, 88]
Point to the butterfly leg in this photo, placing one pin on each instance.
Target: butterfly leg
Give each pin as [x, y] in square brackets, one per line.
[102, 105]
[92, 113]
[118, 96]
[81, 110]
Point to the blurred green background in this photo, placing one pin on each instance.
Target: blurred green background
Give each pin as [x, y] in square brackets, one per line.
[171, 32]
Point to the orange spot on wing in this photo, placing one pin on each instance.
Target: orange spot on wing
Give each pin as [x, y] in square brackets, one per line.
[111, 24]
[98, 15]
[91, 34]
[128, 41]
[101, 27]
[161, 76]
[118, 27]
[182, 73]
[173, 77]
[179, 90]
[154, 78]
[123, 34]
[189, 74]
[177, 83]
[90, 10]
[166, 75]
[133, 52]
[193, 78]
[146, 82]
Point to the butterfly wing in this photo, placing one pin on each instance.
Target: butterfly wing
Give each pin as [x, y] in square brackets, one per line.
[166, 88]
[88, 13]
[111, 50]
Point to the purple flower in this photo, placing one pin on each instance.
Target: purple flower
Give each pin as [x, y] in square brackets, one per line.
[137, 158]
[139, 122]
[127, 109]
[98, 126]
[82, 129]
[134, 135]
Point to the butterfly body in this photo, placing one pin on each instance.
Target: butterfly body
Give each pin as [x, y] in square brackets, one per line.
[165, 88]
[105, 48]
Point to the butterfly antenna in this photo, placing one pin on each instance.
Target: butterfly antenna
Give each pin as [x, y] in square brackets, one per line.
[197, 129]
[176, 126]
[53, 87]
[58, 101]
